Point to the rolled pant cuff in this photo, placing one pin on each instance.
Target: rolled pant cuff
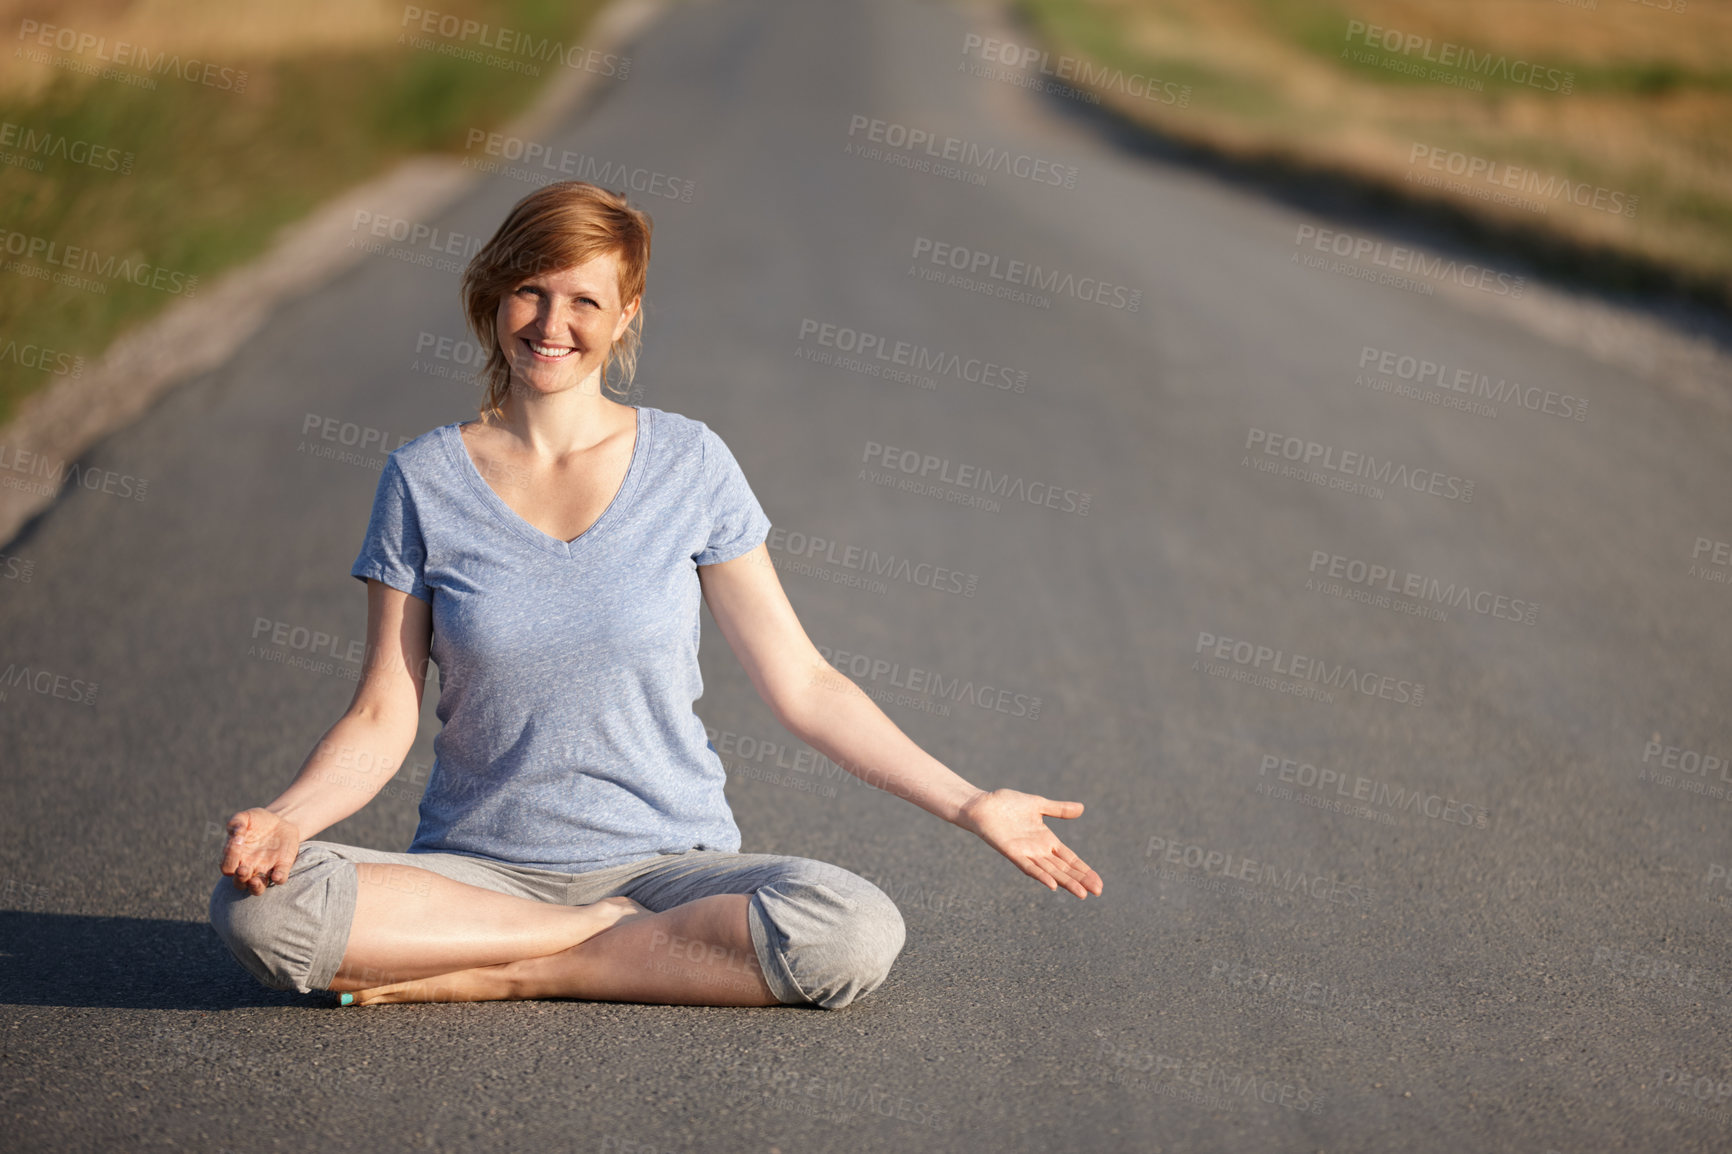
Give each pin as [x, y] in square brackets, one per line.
[776, 973]
[341, 892]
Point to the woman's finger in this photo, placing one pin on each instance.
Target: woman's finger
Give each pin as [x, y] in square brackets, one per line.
[1028, 867]
[1064, 852]
[232, 855]
[1076, 871]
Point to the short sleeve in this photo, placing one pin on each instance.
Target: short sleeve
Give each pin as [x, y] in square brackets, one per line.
[737, 522]
[394, 551]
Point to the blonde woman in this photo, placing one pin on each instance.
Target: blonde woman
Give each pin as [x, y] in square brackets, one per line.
[574, 838]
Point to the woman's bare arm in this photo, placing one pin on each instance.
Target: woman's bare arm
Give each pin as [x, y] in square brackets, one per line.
[357, 755]
[829, 712]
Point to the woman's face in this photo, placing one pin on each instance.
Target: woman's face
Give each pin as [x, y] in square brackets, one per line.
[555, 328]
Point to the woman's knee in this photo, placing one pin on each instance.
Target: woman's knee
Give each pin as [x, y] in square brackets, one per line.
[286, 936]
[834, 937]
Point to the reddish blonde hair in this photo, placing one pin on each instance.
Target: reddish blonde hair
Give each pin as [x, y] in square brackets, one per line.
[556, 227]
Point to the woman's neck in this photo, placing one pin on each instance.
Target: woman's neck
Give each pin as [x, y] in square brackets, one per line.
[552, 426]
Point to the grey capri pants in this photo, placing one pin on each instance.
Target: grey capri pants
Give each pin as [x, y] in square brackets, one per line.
[823, 936]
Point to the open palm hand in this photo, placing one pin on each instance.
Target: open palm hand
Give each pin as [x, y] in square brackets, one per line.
[1013, 824]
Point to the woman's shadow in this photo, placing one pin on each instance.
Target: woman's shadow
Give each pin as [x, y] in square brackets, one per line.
[125, 963]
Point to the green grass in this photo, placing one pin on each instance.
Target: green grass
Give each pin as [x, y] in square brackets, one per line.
[215, 175]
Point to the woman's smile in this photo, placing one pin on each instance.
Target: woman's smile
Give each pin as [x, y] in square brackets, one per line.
[548, 352]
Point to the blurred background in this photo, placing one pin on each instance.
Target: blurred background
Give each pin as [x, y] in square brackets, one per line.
[1624, 184]
[1298, 431]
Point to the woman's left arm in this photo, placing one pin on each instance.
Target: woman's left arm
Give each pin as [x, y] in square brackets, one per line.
[833, 715]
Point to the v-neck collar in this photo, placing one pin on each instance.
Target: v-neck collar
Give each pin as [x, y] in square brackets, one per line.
[465, 464]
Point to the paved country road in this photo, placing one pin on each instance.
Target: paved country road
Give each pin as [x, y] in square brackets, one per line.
[1389, 865]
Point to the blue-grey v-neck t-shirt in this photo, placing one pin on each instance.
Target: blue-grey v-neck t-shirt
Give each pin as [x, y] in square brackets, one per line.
[567, 670]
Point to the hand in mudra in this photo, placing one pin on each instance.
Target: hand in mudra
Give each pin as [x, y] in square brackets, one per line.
[261, 849]
[1012, 823]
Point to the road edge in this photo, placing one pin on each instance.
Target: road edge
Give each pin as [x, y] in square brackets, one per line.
[194, 335]
[1678, 344]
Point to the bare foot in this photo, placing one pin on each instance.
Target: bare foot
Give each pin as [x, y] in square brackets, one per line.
[488, 983]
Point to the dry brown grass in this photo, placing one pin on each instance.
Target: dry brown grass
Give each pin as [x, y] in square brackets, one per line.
[221, 31]
[1650, 117]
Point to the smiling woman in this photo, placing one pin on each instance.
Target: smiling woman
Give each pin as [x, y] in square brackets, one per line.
[575, 840]
[572, 254]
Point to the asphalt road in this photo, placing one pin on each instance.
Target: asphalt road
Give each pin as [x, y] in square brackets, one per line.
[1386, 867]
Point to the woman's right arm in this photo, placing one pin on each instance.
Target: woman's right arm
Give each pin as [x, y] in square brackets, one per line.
[356, 757]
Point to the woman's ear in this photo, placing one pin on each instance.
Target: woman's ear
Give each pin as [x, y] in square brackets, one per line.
[625, 317]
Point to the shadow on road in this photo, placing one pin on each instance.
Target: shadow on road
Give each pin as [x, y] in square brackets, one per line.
[124, 963]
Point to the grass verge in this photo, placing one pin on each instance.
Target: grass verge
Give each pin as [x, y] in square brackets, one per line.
[128, 175]
[1590, 137]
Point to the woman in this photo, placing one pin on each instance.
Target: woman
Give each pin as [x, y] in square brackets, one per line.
[574, 839]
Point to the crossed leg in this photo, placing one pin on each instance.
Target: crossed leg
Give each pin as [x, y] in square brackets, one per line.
[387, 927]
[696, 954]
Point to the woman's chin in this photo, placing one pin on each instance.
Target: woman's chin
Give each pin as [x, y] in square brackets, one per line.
[545, 379]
